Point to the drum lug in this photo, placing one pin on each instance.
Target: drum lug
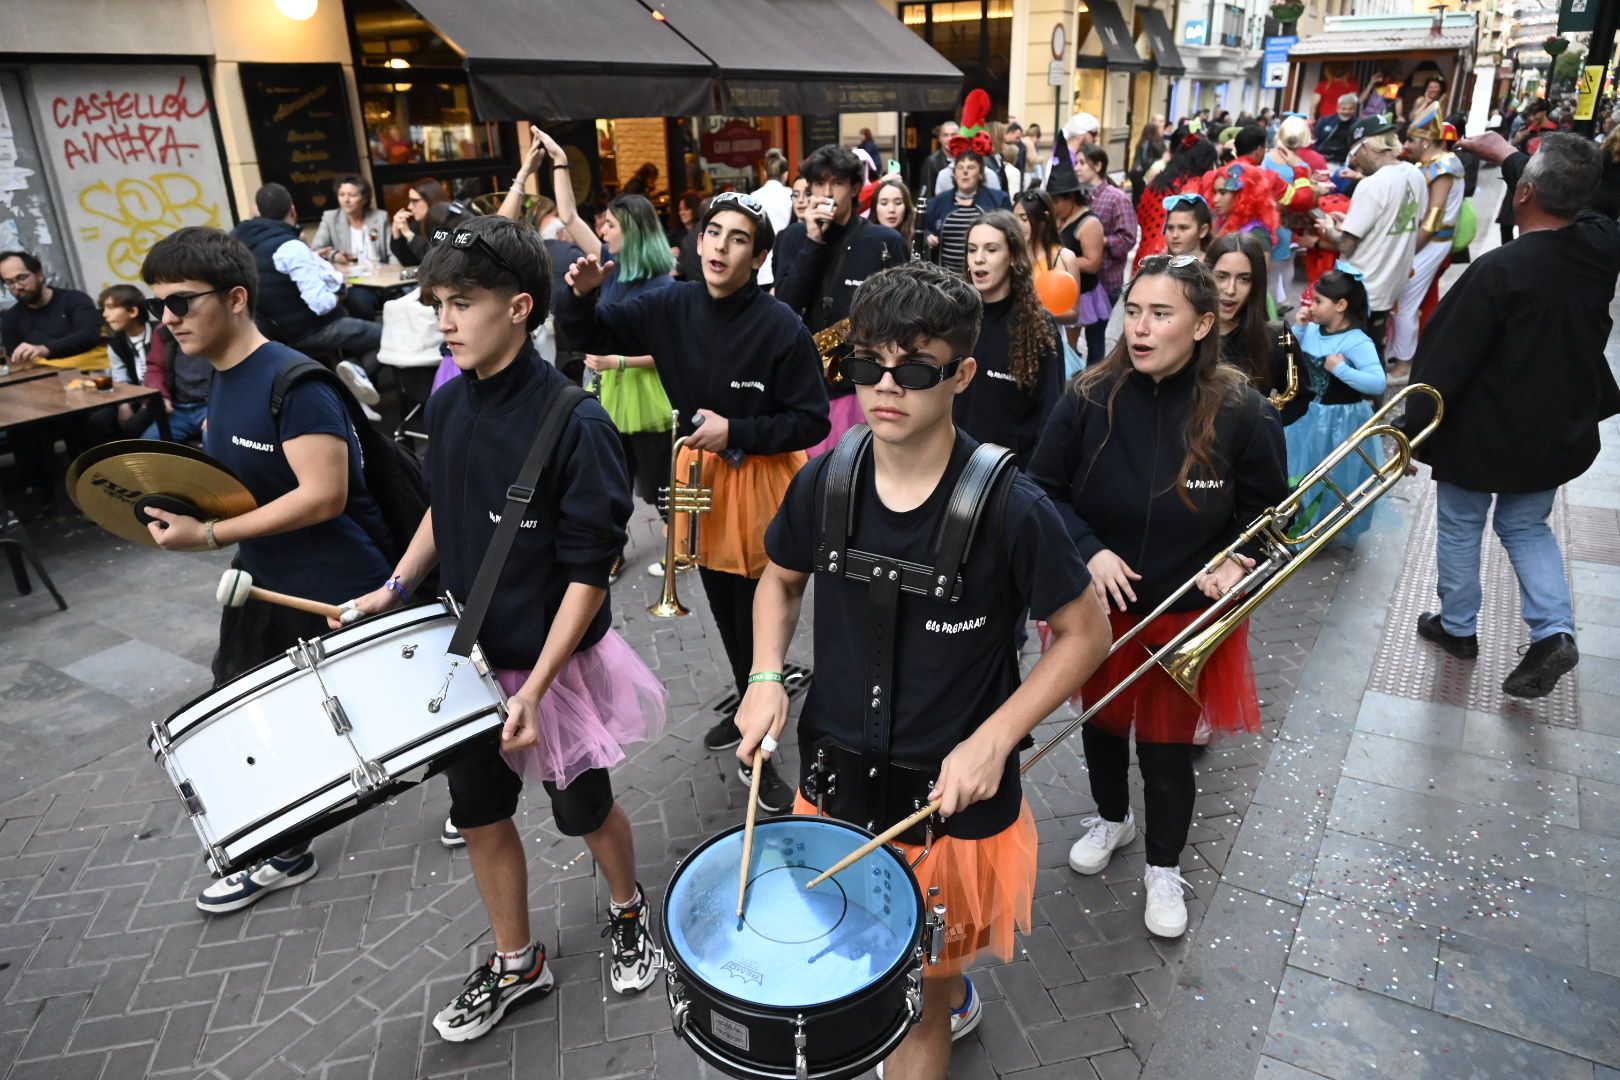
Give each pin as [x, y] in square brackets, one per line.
[160, 741]
[801, 1064]
[339, 718]
[936, 928]
[914, 992]
[193, 801]
[307, 654]
[368, 776]
[675, 990]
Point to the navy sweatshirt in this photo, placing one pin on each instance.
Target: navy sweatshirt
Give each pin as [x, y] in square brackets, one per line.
[68, 325]
[746, 357]
[479, 434]
[1116, 488]
[994, 408]
[803, 267]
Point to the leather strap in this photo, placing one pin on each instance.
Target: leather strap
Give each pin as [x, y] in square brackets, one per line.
[518, 497]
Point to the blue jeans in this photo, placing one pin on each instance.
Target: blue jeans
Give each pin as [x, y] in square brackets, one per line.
[185, 422]
[1520, 521]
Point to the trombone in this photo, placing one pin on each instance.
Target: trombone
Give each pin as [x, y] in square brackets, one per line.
[691, 499]
[1183, 657]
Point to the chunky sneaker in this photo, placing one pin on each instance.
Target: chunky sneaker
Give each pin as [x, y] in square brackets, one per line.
[635, 960]
[774, 794]
[1463, 648]
[450, 836]
[1166, 914]
[1092, 851]
[1544, 663]
[359, 383]
[963, 1019]
[487, 994]
[724, 735]
[247, 887]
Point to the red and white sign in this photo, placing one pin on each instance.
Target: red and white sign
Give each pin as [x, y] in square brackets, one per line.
[738, 144]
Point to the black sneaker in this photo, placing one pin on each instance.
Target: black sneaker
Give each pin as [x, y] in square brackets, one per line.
[616, 570]
[724, 735]
[1463, 648]
[1544, 663]
[247, 887]
[774, 794]
[635, 960]
[487, 994]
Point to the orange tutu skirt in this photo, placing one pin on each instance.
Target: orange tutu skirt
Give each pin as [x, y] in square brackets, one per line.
[731, 536]
[987, 887]
[1157, 708]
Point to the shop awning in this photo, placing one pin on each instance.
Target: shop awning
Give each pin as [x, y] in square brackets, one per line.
[544, 58]
[815, 57]
[1119, 46]
[1356, 39]
[1165, 54]
[554, 60]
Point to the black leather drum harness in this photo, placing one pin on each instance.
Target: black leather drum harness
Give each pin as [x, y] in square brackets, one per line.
[863, 784]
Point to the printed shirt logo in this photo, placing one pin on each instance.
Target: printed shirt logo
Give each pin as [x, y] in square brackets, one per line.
[937, 627]
[528, 523]
[249, 444]
[1004, 376]
[747, 385]
[1206, 485]
[1406, 219]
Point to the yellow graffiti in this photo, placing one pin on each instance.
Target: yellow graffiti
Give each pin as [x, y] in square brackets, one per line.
[142, 212]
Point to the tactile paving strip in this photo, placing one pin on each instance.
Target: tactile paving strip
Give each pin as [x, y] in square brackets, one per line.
[1594, 535]
[1408, 666]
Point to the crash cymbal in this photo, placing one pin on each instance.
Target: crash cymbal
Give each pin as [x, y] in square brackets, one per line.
[113, 484]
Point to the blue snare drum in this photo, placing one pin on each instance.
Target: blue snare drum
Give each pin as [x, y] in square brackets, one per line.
[820, 983]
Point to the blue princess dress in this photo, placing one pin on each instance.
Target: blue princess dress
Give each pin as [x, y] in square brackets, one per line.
[1341, 403]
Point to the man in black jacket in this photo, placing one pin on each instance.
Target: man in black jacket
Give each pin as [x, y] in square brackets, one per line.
[1522, 370]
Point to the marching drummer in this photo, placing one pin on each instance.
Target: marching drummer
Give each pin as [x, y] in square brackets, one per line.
[311, 533]
[741, 370]
[1148, 513]
[956, 708]
[577, 693]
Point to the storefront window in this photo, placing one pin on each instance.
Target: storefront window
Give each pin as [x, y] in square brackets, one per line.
[419, 122]
[975, 35]
[386, 32]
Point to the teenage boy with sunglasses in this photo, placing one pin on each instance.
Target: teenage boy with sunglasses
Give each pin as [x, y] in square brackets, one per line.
[742, 372]
[957, 707]
[310, 535]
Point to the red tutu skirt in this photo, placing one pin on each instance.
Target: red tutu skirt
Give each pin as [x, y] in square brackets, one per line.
[1155, 706]
[987, 887]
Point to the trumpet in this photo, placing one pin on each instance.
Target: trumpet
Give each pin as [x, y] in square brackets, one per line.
[1183, 657]
[691, 499]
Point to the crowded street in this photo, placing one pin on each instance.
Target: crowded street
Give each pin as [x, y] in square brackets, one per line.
[506, 586]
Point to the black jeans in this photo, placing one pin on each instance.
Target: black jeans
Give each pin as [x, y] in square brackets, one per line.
[1378, 330]
[1169, 783]
[731, 599]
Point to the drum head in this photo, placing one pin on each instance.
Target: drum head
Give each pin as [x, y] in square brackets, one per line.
[795, 947]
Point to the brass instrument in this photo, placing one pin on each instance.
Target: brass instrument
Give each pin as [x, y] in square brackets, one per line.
[1183, 657]
[1280, 398]
[828, 341]
[691, 499]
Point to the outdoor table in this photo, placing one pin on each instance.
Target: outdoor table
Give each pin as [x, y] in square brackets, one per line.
[35, 399]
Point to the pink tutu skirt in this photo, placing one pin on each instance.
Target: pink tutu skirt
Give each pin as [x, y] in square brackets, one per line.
[1094, 306]
[845, 413]
[603, 700]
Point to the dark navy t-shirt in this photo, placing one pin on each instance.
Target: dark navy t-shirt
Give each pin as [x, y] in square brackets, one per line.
[332, 561]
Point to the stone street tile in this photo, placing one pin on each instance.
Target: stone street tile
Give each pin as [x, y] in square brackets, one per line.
[1568, 750]
[1600, 808]
[1272, 1069]
[1337, 1031]
[1465, 777]
[1367, 948]
[1541, 1001]
[1075, 1039]
[134, 670]
[1603, 931]
[1273, 852]
[1428, 722]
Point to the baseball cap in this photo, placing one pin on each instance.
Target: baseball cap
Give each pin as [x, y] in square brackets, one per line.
[1081, 123]
[1368, 126]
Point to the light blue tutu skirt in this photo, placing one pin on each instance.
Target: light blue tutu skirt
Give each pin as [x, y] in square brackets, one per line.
[1310, 439]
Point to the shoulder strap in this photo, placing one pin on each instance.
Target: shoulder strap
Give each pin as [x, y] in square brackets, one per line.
[518, 497]
[983, 481]
[838, 501]
[295, 372]
[833, 283]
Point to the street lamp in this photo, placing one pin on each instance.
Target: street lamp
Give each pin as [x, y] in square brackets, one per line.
[297, 10]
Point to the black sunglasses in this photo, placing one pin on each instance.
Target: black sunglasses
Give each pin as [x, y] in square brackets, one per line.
[863, 370]
[466, 240]
[179, 303]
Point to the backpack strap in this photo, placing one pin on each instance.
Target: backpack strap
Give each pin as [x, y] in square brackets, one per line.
[985, 481]
[518, 496]
[838, 502]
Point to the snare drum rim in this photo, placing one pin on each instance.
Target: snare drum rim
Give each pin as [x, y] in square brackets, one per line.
[906, 959]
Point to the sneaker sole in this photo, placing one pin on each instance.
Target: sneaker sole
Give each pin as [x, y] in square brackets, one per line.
[365, 395]
[1163, 931]
[1545, 681]
[248, 901]
[1124, 838]
[968, 1025]
[633, 987]
[707, 745]
[473, 1031]
[458, 842]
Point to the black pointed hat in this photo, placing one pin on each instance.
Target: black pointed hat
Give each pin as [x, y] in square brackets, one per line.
[1062, 179]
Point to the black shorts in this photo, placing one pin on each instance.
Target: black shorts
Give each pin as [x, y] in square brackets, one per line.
[256, 632]
[484, 790]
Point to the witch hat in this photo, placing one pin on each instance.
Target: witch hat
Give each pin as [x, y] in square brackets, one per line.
[1062, 179]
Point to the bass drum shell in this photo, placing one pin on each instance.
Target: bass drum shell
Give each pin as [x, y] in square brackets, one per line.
[844, 960]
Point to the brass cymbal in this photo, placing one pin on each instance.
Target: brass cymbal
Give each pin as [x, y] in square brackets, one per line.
[114, 482]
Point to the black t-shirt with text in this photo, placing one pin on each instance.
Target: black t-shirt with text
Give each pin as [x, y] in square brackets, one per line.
[955, 663]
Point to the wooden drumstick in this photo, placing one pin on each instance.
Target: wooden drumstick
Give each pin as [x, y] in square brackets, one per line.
[236, 588]
[873, 844]
[748, 825]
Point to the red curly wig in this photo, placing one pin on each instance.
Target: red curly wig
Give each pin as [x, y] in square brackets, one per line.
[1256, 202]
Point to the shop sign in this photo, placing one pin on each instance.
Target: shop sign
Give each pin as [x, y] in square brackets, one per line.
[1194, 31]
[738, 144]
[1275, 63]
[1577, 16]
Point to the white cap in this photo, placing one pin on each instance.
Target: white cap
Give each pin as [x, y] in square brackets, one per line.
[1081, 123]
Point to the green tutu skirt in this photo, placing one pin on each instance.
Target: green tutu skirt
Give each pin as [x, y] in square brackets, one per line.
[635, 400]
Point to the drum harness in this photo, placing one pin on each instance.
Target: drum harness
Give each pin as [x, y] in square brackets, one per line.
[864, 785]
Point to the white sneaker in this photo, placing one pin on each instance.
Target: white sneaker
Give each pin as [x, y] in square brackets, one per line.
[656, 569]
[1092, 851]
[371, 414]
[450, 836]
[1166, 913]
[359, 383]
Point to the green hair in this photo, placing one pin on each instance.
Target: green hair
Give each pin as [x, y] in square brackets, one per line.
[644, 253]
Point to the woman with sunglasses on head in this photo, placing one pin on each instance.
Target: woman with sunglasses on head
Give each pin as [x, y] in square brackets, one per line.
[1019, 353]
[1345, 377]
[1188, 229]
[1193, 156]
[1157, 459]
[1250, 342]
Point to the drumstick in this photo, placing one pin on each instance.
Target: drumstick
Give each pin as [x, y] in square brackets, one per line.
[748, 825]
[873, 844]
[236, 587]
